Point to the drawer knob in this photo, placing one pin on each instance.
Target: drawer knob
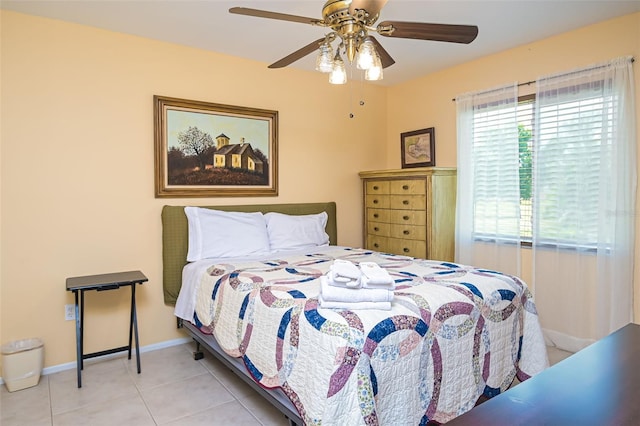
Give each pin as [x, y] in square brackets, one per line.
[405, 232]
[375, 188]
[375, 215]
[405, 217]
[405, 187]
[375, 201]
[405, 202]
[375, 245]
[406, 250]
[376, 229]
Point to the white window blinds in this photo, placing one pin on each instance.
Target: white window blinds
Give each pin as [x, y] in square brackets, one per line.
[488, 206]
[573, 155]
[497, 184]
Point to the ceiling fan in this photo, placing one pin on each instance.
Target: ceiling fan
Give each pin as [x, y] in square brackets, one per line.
[350, 22]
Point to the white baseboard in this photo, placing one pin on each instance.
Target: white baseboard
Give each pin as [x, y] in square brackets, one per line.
[565, 342]
[148, 348]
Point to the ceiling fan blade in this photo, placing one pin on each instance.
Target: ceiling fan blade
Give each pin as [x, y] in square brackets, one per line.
[274, 15]
[385, 58]
[373, 7]
[298, 54]
[424, 31]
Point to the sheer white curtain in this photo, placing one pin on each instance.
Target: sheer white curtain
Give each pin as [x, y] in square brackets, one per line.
[488, 197]
[584, 199]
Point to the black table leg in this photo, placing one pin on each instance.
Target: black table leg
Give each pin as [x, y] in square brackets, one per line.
[78, 342]
[132, 316]
[81, 329]
[134, 322]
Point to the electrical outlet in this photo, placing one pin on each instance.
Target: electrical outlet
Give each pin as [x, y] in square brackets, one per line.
[69, 312]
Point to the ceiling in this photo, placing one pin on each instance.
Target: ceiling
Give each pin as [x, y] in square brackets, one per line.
[208, 25]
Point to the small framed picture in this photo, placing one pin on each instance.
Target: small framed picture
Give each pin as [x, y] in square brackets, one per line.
[418, 148]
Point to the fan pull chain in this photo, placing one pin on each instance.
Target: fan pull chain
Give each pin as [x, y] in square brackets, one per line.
[361, 102]
[351, 115]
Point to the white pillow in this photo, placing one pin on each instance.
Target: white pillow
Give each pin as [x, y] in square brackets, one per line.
[290, 232]
[216, 234]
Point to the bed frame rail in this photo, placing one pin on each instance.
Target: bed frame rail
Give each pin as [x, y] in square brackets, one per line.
[276, 397]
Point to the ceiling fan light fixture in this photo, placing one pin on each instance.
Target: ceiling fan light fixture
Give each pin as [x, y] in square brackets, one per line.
[374, 73]
[324, 61]
[339, 72]
[350, 22]
[366, 54]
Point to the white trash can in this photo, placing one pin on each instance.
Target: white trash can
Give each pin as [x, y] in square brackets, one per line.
[22, 362]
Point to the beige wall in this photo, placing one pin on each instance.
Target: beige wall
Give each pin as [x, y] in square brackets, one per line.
[77, 166]
[427, 102]
[76, 154]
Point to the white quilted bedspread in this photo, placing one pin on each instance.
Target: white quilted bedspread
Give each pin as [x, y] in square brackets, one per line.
[454, 333]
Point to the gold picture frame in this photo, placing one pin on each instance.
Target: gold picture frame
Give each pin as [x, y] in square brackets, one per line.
[418, 148]
[205, 149]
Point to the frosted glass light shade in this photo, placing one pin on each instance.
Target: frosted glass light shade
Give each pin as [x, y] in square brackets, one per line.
[366, 54]
[339, 72]
[324, 61]
[374, 72]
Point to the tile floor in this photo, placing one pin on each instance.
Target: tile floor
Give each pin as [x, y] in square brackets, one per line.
[201, 392]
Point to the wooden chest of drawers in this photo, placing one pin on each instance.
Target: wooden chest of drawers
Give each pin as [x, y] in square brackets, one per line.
[410, 212]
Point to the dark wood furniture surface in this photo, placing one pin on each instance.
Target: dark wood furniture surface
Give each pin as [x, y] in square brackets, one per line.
[102, 282]
[599, 385]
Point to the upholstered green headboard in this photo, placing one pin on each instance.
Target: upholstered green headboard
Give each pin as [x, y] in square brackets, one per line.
[175, 236]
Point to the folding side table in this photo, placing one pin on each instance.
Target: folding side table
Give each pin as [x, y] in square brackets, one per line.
[104, 282]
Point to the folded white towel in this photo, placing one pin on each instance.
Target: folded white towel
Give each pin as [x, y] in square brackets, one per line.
[339, 281]
[366, 284]
[373, 276]
[353, 306]
[345, 274]
[341, 294]
[346, 269]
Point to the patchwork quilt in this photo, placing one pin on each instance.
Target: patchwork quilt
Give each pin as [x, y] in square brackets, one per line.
[454, 333]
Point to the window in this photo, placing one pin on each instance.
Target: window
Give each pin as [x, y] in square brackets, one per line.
[573, 153]
[525, 164]
[496, 190]
[559, 171]
[569, 153]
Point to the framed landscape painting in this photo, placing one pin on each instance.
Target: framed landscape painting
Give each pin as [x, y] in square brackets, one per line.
[205, 149]
[418, 148]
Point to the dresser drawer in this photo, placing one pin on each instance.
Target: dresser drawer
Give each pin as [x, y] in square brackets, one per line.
[377, 201]
[377, 187]
[409, 186]
[407, 217]
[379, 228]
[379, 215]
[410, 232]
[413, 248]
[408, 202]
[378, 243]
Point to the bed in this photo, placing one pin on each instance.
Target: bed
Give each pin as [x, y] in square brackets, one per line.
[454, 333]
